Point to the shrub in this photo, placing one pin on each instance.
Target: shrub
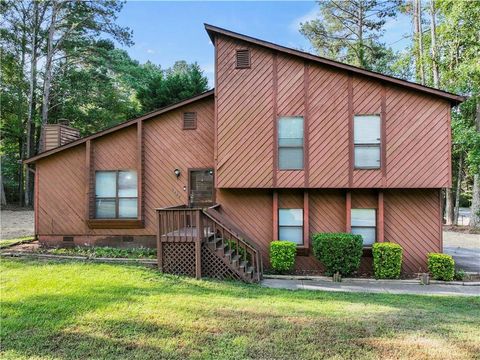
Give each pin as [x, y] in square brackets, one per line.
[282, 255]
[338, 252]
[441, 266]
[460, 275]
[387, 260]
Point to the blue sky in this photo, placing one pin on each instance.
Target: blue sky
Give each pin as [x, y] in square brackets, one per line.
[168, 31]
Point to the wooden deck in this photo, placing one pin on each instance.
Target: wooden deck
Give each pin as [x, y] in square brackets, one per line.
[186, 232]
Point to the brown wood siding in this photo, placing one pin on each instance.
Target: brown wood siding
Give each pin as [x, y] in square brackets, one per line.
[364, 199]
[244, 119]
[62, 186]
[61, 193]
[415, 126]
[116, 151]
[251, 211]
[290, 199]
[412, 220]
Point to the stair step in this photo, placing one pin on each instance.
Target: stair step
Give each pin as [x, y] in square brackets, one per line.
[236, 260]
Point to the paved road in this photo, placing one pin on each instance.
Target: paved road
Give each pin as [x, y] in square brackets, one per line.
[465, 249]
[382, 287]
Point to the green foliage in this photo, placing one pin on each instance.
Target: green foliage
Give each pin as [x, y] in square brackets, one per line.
[282, 255]
[387, 260]
[338, 252]
[460, 275]
[106, 252]
[441, 266]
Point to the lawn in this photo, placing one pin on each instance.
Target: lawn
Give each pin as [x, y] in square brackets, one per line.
[65, 310]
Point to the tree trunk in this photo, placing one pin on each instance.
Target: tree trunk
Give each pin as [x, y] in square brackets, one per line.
[458, 189]
[48, 72]
[449, 206]
[418, 41]
[3, 198]
[361, 50]
[433, 30]
[31, 104]
[21, 113]
[475, 210]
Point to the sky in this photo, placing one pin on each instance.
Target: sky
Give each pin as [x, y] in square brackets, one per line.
[167, 31]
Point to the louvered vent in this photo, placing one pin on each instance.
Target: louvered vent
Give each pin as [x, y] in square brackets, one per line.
[243, 59]
[189, 120]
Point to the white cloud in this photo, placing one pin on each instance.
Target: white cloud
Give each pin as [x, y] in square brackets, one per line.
[312, 14]
[151, 51]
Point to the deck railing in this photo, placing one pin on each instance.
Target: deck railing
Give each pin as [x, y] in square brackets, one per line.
[184, 224]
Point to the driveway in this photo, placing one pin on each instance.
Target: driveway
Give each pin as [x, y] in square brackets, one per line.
[15, 223]
[464, 248]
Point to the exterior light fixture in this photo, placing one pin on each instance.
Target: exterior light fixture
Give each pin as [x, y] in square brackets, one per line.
[176, 172]
[211, 172]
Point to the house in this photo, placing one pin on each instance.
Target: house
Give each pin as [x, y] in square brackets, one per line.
[286, 145]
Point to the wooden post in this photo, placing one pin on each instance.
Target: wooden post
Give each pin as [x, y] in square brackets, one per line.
[348, 209]
[88, 178]
[306, 226]
[159, 243]
[275, 216]
[380, 217]
[198, 246]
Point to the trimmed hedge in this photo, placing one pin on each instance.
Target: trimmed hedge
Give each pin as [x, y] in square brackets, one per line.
[338, 252]
[387, 260]
[282, 255]
[441, 266]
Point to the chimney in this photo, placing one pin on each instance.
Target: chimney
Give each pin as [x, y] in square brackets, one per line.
[59, 134]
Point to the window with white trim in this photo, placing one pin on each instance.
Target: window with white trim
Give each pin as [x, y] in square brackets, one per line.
[290, 225]
[367, 138]
[116, 194]
[364, 222]
[290, 143]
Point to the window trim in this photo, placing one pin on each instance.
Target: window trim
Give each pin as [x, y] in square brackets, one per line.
[366, 227]
[302, 244]
[290, 147]
[116, 198]
[379, 144]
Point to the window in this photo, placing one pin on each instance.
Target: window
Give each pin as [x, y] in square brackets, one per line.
[366, 131]
[364, 223]
[189, 121]
[290, 143]
[242, 59]
[290, 225]
[116, 194]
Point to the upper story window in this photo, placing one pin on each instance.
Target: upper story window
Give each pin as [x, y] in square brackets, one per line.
[290, 225]
[364, 222]
[242, 59]
[290, 143]
[366, 134]
[116, 194]
[189, 120]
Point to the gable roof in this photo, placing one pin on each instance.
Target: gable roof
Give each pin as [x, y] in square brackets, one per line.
[453, 98]
[120, 126]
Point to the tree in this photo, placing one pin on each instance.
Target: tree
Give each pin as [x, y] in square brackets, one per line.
[349, 31]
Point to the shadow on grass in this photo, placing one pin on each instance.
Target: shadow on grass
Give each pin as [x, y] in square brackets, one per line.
[174, 317]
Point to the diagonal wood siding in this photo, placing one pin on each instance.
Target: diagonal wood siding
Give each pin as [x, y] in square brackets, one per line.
[415, 140]
[412, 219]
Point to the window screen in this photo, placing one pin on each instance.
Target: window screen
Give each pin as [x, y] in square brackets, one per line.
[116, 194]
[364, 223]
[290, 225]
[290, 143]
[366, 134]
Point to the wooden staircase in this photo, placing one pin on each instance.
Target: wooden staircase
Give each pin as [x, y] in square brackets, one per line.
[221, 250]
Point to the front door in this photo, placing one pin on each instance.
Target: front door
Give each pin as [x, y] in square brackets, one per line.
[201, 187]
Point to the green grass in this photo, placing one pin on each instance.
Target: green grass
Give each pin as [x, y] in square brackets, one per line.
[10, 242]
[76, 310]
[108, 252]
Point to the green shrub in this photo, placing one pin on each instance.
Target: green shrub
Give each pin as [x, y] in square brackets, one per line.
[387, 260]
[441, 266]
[282, 255]
[339, 252]
[460, 275]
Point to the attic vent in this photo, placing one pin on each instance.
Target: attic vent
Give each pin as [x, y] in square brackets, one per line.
[68, 238]
[189, 121]
[243, 59]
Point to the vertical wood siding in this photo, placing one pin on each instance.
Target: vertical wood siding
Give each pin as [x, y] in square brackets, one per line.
[412, 220]
[415, 141]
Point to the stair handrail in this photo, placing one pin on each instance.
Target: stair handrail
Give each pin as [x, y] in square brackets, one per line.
[220, 220]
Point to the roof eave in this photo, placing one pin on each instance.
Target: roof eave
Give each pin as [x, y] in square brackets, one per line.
[454, 99]
[120, 126]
